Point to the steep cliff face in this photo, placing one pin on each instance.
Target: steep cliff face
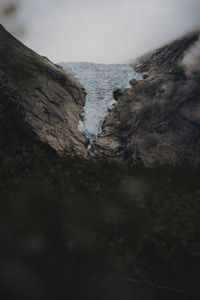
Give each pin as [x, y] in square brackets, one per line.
[50, 100]
[158, 119]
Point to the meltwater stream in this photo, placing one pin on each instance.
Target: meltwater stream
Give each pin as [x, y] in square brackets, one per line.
[99, 81]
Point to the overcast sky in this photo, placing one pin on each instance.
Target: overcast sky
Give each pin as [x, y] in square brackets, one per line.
[108, 31]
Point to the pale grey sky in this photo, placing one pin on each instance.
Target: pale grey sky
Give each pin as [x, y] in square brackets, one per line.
[108, 31]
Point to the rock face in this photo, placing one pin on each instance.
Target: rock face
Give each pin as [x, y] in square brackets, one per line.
[52, 101]
[158, 119]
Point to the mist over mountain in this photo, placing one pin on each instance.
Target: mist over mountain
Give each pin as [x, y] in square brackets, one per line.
[111, 31]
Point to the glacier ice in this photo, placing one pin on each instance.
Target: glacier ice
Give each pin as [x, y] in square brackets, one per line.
[99, 81]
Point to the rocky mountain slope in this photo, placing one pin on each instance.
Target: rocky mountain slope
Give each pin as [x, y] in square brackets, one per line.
[158, 119]
[155, 121]
[36, 90]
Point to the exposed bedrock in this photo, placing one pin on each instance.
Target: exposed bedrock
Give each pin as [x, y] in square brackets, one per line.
[158, 119]
[51, 100]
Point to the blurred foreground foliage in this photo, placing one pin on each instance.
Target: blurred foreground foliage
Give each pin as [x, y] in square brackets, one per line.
[140, 222]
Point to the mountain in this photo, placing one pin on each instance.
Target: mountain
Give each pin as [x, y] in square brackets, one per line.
[158, 119]
[40, 103]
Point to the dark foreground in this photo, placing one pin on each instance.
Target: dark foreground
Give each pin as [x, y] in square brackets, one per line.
[72, 228]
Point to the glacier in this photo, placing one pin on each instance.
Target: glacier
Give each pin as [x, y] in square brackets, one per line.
[99, 82]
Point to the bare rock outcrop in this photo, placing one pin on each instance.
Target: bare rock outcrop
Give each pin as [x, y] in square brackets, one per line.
[52, 101]
[158, 119]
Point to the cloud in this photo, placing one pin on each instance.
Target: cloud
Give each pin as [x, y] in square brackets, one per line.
[110, 31]
[192, 58]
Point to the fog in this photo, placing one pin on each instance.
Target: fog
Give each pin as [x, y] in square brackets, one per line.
[108, 31]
